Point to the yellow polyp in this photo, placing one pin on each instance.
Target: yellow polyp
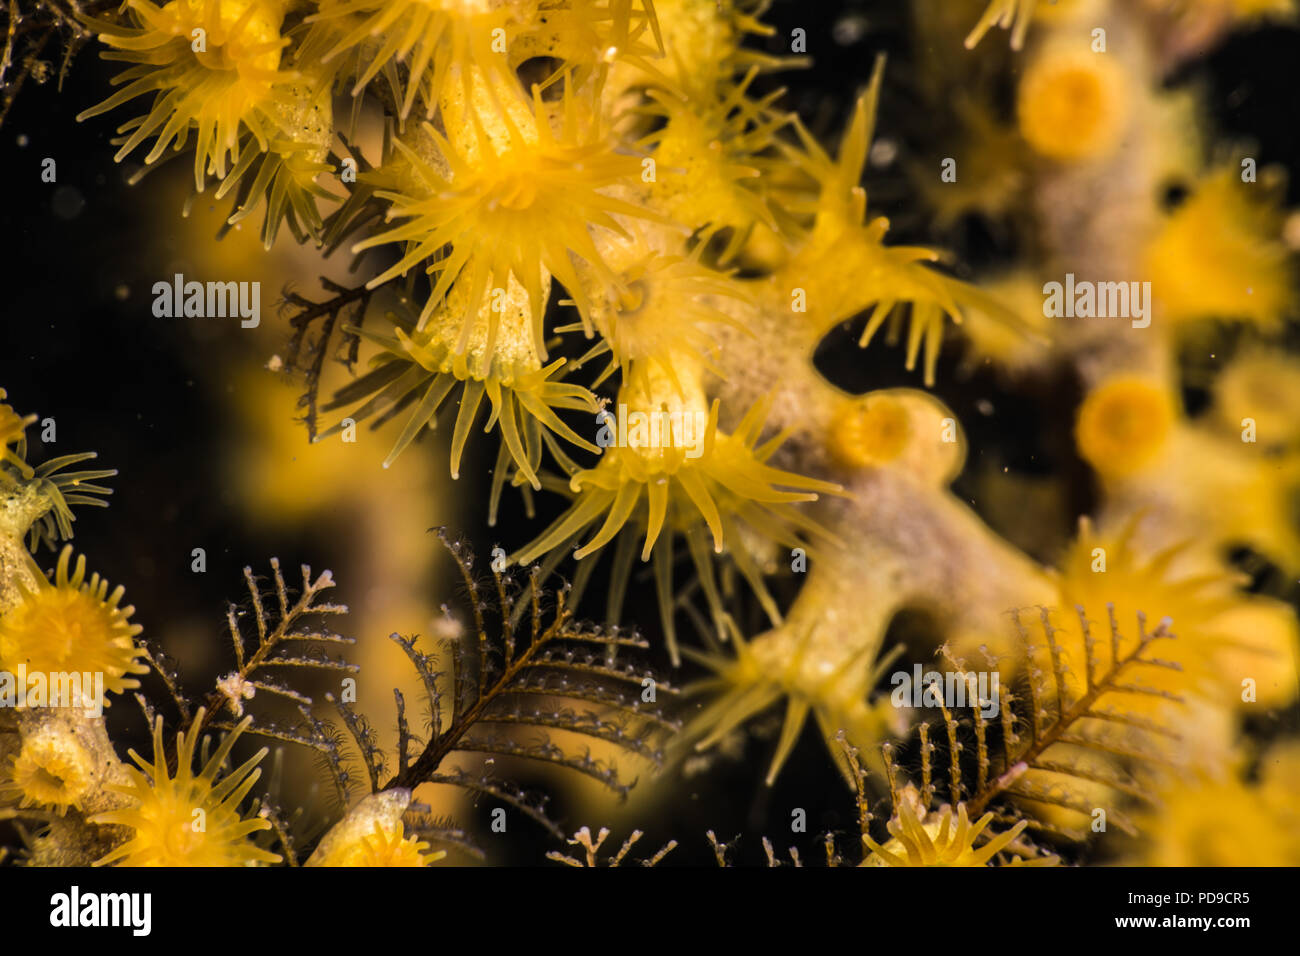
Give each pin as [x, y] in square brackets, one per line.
[215, 69]
[1258, 639]
[820, 660]
[183, 819]
[285, 177]
[12, 425]
[842, 268]
[525, 210]
[993, 175]
[372, 834]
[665, 303]
[492, 355]
[905, 429]
[1260, 386]
[384, 848]
[440, 42]
[1247, 496]
[1072, 104]
[939, 839]
[753, 683]
[73, 626]
[673, 388]
[1124, 426]
[666, 472]
[52, 769]
[12, 430]
[1220, 256]
[1223, 635]
[1230, 819]
[663, 447]
[709, 174]
[494, 340]
[870, 431]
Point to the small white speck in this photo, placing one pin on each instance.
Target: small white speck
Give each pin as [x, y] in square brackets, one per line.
[883, 153]
[849, 29]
